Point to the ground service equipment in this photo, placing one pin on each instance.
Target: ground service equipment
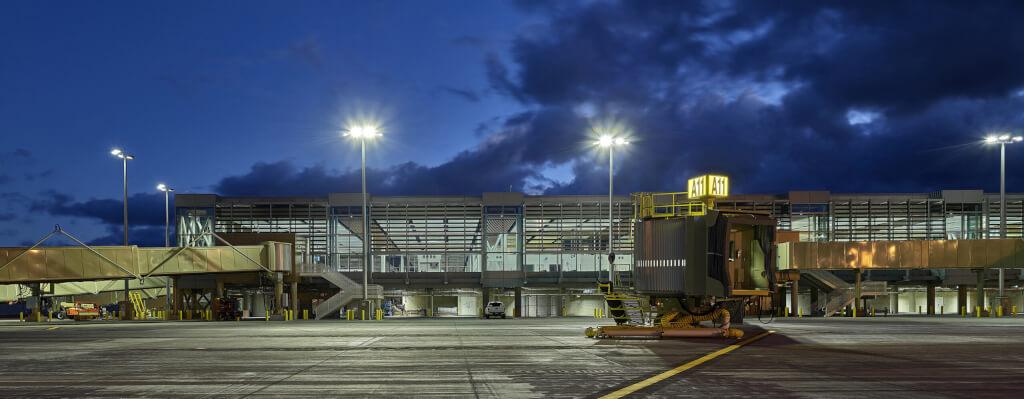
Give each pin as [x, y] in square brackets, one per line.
[81, 310]
[692, 263]
[227, 308]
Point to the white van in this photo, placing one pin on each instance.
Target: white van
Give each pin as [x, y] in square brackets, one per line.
[494, 309]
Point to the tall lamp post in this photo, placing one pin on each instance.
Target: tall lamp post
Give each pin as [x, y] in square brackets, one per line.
[363, 133]
[124, 178]
[610, 143]
[1002, 140]
[167, 233]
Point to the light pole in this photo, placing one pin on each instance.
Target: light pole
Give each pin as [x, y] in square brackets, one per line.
[363, 133]
[124, 177]
[1002, 140]
[167, 233]
[610, 143]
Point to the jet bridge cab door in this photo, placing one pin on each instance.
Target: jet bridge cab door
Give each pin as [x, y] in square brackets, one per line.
[748, 264]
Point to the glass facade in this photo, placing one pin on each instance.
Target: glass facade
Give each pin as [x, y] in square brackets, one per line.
[548, 234]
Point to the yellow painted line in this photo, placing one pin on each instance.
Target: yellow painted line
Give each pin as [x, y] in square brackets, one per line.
[660, 377]
[53, 328]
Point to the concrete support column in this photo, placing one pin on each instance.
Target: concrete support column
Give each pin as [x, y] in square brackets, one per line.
[220, 288]
[430, 305]
[293, 298]
[961, 298]
[561, 302]
[485, 294]
[781, 293]
[519, 302]
[37, 294]
[979, 300]
[814, 300]
[127, 308]
[794, 298]
[278, 292]
[179, 298]
[930, 298]
[856, 289]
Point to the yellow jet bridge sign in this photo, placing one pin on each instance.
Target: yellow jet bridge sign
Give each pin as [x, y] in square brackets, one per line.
[707, 186]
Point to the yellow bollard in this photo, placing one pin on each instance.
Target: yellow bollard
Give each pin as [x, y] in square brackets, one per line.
[963, 311]
[266, 317]
[563, 311]
[38, 317]
[51, 316]
[787, 312]
[999, 311]
[800, 312]
[872, 311]
[855, 312]
[362, 314]
[21, 316]
[179, 315]
[305, 314]
[977, 311]
[1014, 310]
[989, 311]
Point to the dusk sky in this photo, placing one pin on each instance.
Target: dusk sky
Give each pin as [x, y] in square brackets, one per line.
[250, 98]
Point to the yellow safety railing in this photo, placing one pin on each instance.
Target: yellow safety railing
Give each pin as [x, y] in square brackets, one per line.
[665, 205]
[138, 304]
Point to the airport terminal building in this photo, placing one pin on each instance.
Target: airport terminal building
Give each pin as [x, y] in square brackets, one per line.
[544, 246]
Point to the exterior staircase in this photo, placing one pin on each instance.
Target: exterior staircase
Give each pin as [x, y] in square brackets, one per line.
[840, 293]
[624, 308]
[350, 290]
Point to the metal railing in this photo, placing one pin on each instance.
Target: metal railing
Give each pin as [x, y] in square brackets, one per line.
[664, 205]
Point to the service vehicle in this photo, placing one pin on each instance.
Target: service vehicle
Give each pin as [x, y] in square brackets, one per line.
[494, 309]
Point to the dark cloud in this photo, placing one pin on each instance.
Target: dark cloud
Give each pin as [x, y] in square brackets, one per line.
[34, 176]
[467, 95]
[763, 92]
[143, 236]
[143, 209]
[836, 95]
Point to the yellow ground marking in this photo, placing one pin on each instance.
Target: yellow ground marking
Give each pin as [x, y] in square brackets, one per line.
[654, 380]
[53, 328]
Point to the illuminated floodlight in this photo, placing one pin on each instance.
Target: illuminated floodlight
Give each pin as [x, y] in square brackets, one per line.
[121, 154]
[1003, 139]
[605, 141]
[161, 187]
[363, 132]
